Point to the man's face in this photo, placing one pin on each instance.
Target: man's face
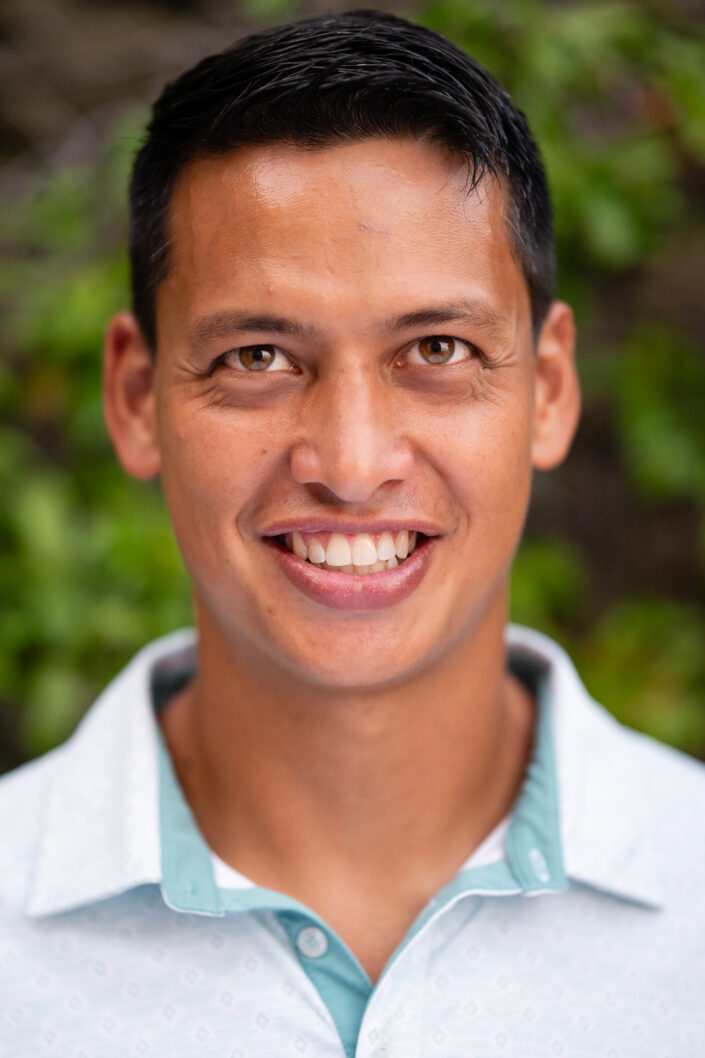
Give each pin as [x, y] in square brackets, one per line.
[345, 346]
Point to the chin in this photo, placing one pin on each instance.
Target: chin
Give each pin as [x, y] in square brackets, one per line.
[354, 679]
[377, 661]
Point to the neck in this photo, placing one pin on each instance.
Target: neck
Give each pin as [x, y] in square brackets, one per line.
[387, 789]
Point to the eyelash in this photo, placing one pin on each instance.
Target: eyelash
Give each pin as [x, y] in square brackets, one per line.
[474, 354]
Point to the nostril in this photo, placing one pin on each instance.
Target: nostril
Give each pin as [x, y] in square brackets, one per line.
[348, 472]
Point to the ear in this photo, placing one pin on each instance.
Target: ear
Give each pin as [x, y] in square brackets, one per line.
[128, 397]
[556, 389]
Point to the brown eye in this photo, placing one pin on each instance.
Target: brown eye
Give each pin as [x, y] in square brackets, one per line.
[436, 350]
[256, 357]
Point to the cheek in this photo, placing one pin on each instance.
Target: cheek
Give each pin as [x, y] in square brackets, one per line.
[491, 468]
[212, 465]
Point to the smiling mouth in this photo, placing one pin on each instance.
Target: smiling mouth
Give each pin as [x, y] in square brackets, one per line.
[356, 553]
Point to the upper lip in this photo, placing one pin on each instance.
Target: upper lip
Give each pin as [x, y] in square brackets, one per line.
[339, 525]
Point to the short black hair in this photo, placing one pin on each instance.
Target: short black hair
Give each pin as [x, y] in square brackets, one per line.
[338, 79]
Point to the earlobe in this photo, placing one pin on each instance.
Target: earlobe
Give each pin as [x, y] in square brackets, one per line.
[128, 397]
[556, 389]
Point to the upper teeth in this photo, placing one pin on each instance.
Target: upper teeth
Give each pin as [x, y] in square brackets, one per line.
[354, 553]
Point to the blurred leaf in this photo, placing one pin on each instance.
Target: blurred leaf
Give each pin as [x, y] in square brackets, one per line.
[269, 10]
[660, 391]
[680, 75]
[645, 662]
[55, 706]
[548, 584]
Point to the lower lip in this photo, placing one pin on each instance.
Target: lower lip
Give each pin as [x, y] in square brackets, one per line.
[353, 591]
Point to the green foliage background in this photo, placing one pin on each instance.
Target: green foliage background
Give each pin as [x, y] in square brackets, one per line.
[615, 94]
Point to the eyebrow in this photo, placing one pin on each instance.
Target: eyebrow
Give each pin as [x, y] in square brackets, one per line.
[477, 312]
[222, 324]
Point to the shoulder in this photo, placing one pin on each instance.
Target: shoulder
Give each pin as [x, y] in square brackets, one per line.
[632, 808]
[671, 771]
[673, 785]
[664, 787]
[22, 791]
[584, 727]
[646, 804]
[666, 778]
[23, 795]
[82, 822]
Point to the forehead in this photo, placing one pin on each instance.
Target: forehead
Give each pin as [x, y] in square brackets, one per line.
[374, 218]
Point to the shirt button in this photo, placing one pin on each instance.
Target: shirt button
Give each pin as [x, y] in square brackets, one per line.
[312, 942]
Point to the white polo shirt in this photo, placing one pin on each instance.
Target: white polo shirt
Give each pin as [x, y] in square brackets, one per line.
[576, 929]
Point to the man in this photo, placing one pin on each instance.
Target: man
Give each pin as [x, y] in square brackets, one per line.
[356, 814]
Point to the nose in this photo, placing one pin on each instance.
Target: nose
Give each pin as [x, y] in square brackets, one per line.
[352, 439]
